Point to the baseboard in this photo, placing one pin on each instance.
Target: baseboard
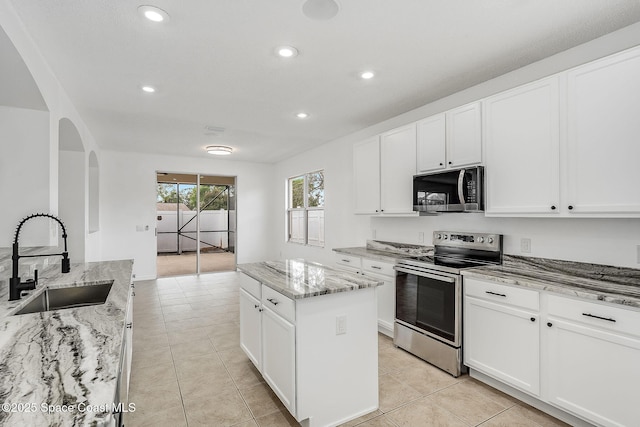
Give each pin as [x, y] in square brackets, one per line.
[385, 329]
[530, 400]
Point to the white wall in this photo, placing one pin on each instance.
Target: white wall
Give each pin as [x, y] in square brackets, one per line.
[71, 209]
[606, 241]
[128, 199]
[24, 174]
[59, 106]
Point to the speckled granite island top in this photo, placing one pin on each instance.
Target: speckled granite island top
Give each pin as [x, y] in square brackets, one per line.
[62, 357]
[590, 281]
[296, 278]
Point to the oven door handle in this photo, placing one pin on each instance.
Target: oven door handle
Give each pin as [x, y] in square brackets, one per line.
[424, 274]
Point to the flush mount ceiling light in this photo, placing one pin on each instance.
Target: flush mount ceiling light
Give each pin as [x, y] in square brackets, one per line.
[302, 115]
[366, 75]
[320, 10]
[287, 51]
[219, 150]
[148, 89]
[154, 14]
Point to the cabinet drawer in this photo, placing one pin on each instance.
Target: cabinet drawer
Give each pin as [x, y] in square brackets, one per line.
[348, 260]
[278, 303]
[603, 316]
[496, 292]
[250, 285]
[378, 267]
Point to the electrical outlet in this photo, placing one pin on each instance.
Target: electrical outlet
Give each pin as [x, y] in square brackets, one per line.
[373, 233]
[421, 237]
[525, 245]
[341, 325]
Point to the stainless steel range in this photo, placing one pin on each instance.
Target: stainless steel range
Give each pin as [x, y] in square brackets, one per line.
[428, 319]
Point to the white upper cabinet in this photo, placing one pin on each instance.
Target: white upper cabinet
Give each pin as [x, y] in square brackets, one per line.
[450, 140]
[397, 168]
[366, 175]
[464, 136]
[603, 136]
[431, 152]
[521, 136]
[383, 172]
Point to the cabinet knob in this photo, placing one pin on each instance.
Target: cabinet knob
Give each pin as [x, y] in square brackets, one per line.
[381, 210]
[256, 306]
[450, 163]
[549, 324]
[533, 319]
[441, 164]
[376, 210]
[570, 207]
[553, 208]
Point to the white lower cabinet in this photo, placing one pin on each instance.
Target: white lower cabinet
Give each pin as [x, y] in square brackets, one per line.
[579, 356]
[322, 375]
[504, 342]
[385, 294]
[251, 325]
[593, 370]
[279, 357]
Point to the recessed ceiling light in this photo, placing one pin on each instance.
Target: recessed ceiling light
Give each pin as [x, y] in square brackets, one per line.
[219, 150]
[153, 13]
[287, 51]
[367, 75]
[148, 89]
[302, 115]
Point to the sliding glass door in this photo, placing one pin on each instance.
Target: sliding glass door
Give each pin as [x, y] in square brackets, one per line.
[196, 220]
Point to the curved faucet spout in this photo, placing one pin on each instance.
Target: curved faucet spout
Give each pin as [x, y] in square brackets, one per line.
[15, 285]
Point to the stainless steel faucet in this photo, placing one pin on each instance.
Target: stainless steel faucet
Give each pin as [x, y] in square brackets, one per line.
[15, 285]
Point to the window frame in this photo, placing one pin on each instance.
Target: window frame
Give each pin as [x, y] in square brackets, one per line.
[305, 209]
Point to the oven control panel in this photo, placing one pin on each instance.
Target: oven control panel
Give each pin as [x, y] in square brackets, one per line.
[487, 241]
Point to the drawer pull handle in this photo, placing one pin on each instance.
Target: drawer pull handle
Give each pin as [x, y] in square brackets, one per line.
[549, 324]
[376, 267]
[346, 260]
[129, 325]
[256, 305]
[272, 301]
[496, 294]
[533, 319]
[608, 319]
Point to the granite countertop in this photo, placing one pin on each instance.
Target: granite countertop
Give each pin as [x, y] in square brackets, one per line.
[62, 357]
[387, 251]
[297, 278]
[607, 283]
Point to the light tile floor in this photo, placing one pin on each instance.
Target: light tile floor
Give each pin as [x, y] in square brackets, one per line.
[188, 369]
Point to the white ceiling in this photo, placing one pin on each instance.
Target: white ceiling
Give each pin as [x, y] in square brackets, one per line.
[214, 63]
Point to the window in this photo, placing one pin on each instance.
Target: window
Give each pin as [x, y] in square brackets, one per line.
[305, 209]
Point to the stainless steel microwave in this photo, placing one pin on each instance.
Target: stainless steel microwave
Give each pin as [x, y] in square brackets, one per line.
[460, 190]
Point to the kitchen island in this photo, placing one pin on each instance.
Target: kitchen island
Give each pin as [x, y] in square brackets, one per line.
[311, 331]
[62, 367]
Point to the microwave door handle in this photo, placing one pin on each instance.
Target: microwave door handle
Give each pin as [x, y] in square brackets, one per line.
[461, 188]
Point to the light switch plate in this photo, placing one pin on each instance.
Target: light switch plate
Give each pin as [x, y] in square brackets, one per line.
[421, 237]
[341, 325]
[525, 245]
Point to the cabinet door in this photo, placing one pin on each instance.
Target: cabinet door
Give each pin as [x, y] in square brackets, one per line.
[366, 176]
[279, 357]
[431, 141]
[503, 342]
[250, 325]
[602, 140]
[464, 136]
[397, 168]
[521, 134]
[593, 373]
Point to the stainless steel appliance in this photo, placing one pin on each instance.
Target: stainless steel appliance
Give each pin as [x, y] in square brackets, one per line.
[428, 320]
[459, 190]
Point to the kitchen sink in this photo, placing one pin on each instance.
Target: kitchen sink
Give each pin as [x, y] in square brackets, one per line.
[72, 297]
